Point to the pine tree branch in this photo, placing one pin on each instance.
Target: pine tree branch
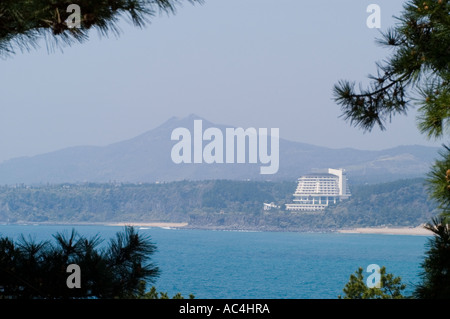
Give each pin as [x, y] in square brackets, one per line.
[24, 22]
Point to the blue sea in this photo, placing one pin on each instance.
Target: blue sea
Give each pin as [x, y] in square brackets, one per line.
[260, 265]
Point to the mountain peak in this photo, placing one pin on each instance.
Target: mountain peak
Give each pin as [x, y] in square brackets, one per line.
[147, 158]
[179, 121]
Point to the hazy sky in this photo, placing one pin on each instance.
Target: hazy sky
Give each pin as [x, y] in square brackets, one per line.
[248, 63]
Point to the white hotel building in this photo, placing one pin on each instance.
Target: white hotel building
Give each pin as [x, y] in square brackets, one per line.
[316, 191]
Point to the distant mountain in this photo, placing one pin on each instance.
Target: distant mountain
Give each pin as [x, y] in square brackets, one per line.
[147, 158]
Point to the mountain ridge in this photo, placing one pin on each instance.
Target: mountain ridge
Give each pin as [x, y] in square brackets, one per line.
[146, 158]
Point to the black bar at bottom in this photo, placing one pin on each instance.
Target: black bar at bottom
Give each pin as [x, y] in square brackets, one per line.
[215, 308]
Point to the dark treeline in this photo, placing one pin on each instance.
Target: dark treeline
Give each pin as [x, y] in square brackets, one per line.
[40, 270]
[213, 204]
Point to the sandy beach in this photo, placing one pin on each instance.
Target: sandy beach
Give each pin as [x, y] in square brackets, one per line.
[156, 224]
[419, 231]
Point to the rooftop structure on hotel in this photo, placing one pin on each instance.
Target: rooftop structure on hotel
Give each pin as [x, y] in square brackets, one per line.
[316, 191]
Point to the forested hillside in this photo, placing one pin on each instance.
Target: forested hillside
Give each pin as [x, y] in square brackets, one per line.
[213, 204]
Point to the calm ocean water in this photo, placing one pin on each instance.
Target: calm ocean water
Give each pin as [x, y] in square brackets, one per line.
[230, 264]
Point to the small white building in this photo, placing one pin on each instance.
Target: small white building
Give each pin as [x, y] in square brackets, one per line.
[269, 206]
[316, 191]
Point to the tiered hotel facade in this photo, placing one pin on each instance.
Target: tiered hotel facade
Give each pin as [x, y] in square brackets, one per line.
[316, 191]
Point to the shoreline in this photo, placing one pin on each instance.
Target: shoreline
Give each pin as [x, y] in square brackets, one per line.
[415, 231]
[116, 224]
[153, 224]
